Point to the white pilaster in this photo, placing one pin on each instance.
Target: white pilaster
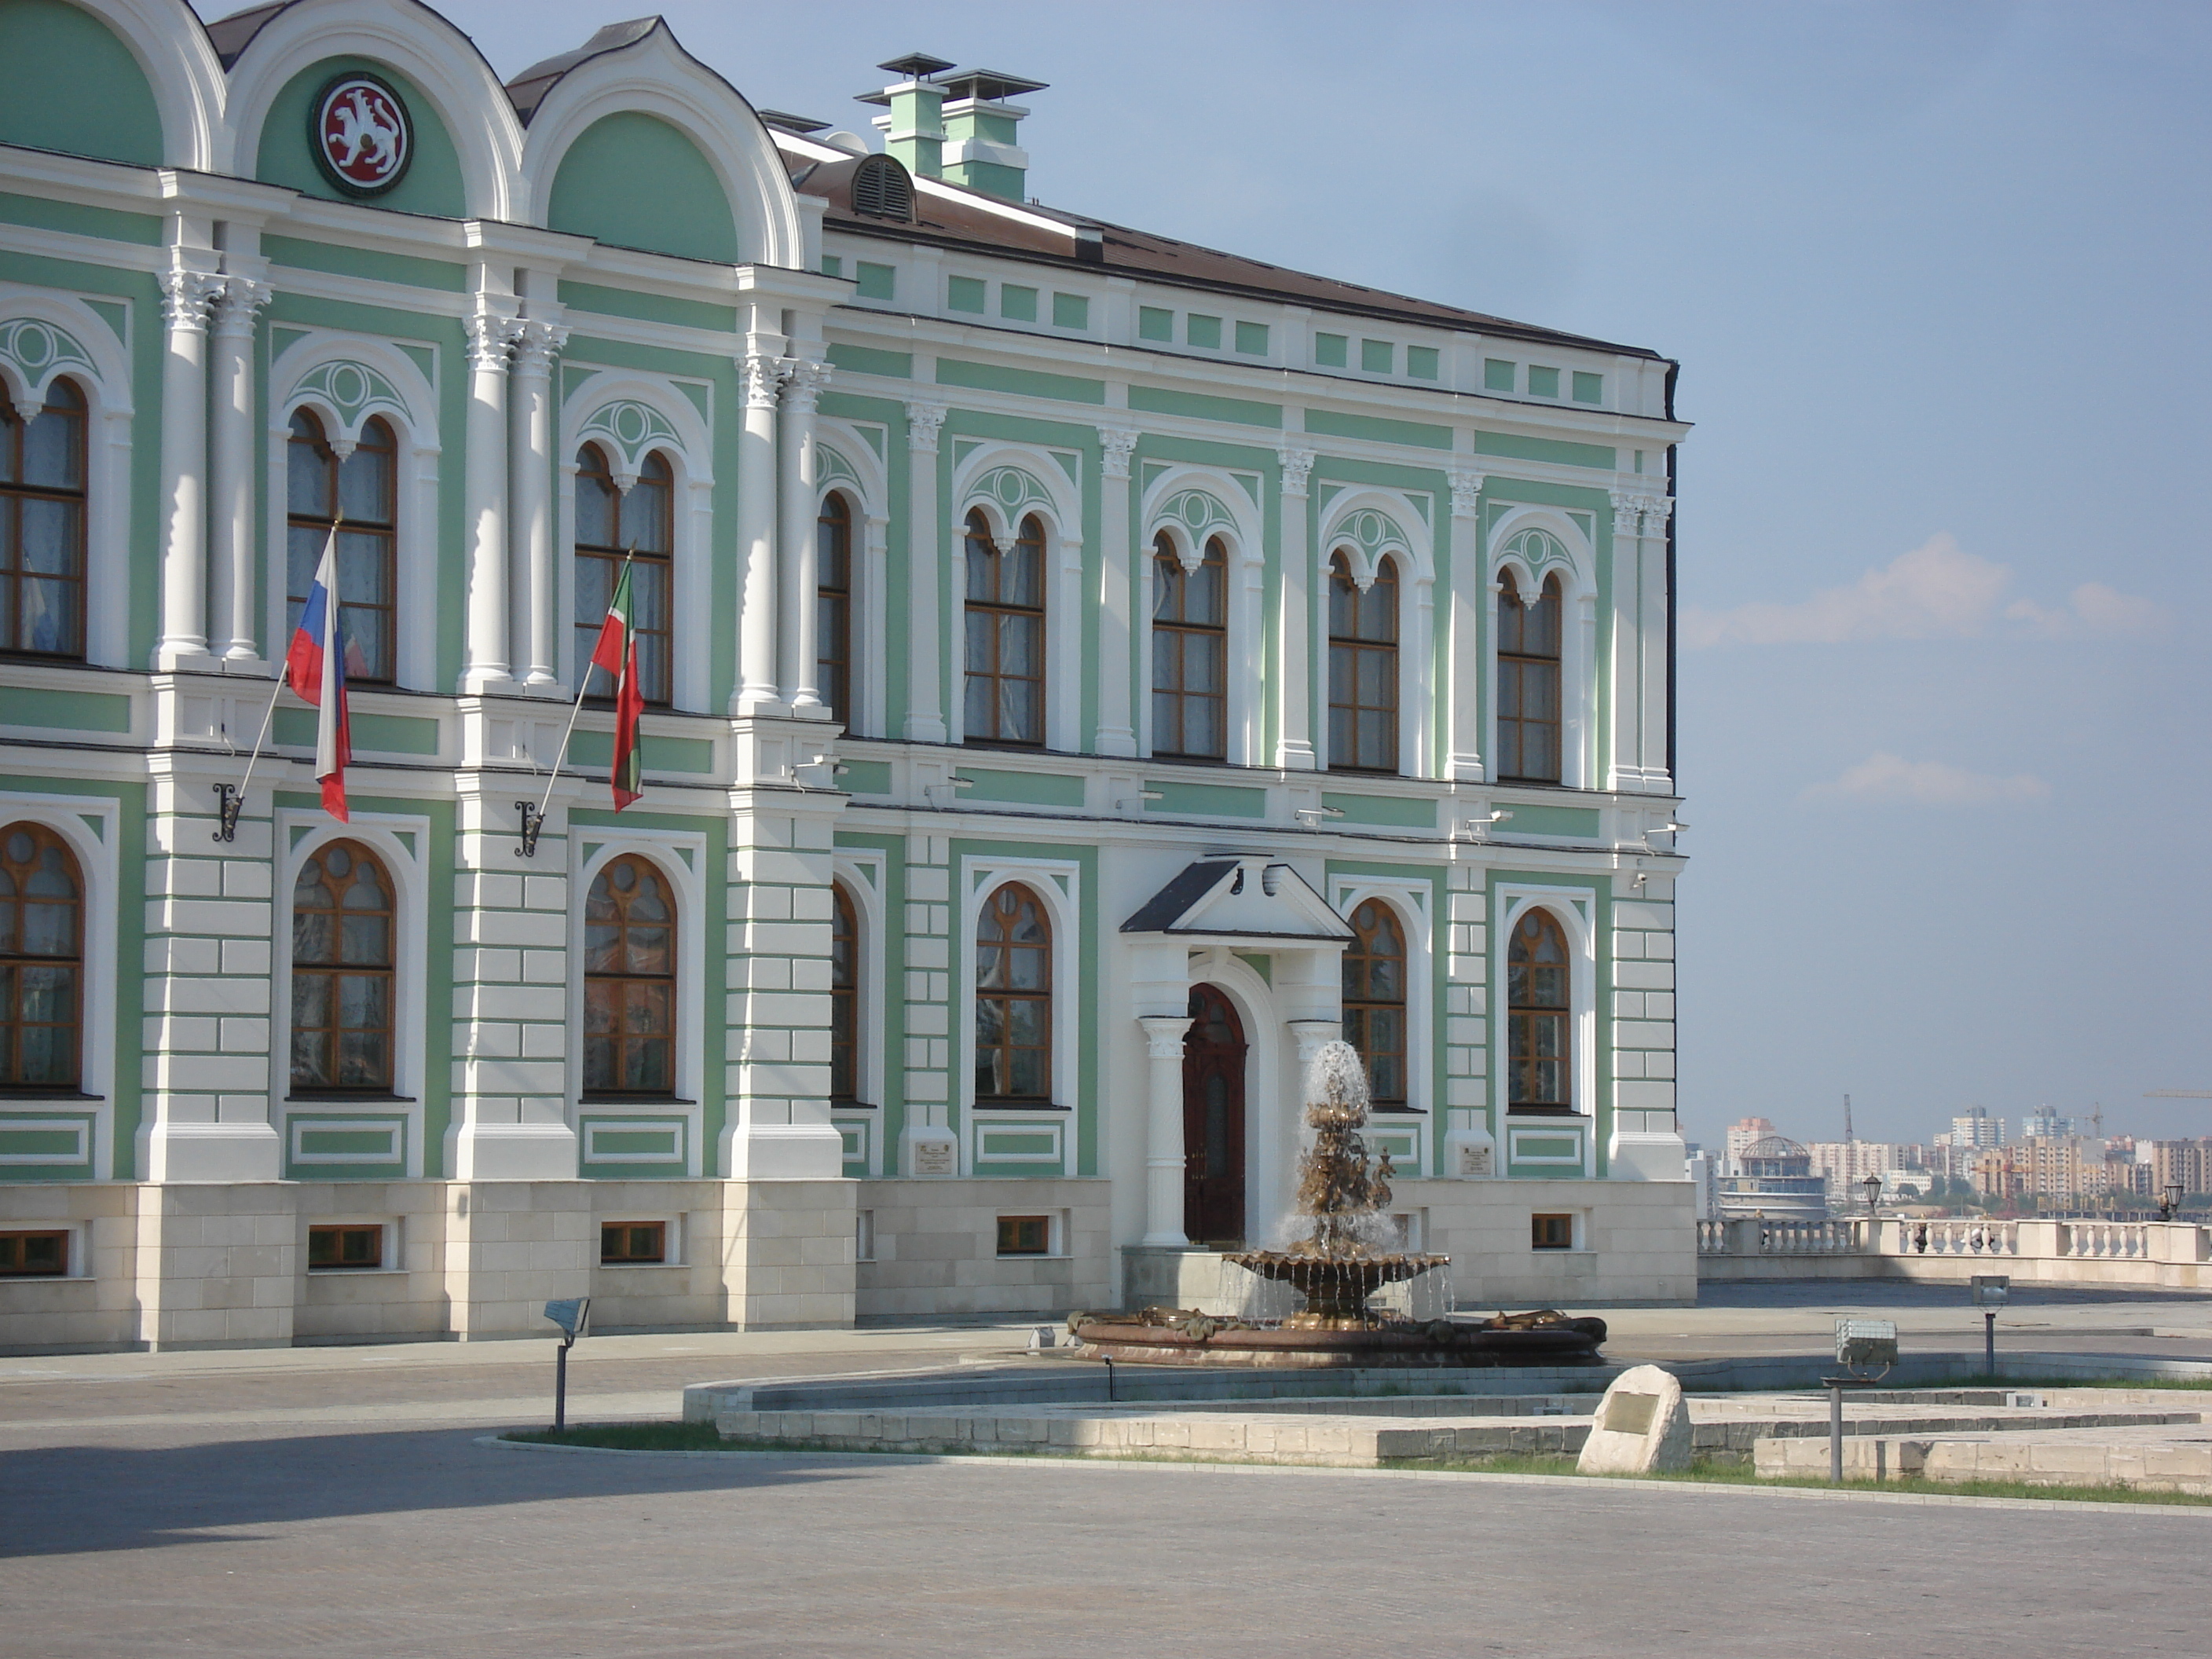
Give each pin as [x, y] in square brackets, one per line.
[1463, 707]
[803, 379]
[488, 667]
[925, 708]
[1658, 776]
[530, 504]
[1164, 1153]
[758, 691]
[187, 296]
[1294, 744]
[230, 469]
[1117, 731]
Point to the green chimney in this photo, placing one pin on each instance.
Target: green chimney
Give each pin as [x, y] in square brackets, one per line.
[914, 128]
[962, 129]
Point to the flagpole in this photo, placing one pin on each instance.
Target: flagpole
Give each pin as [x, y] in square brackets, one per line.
[230, 801]
[533, 818]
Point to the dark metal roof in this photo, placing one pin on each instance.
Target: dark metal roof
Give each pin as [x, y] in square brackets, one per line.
[231, 35]
[1167, 907]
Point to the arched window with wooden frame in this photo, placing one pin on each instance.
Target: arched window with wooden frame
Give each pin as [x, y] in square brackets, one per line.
[630, 981]
[844, 996]
[1005, 622]
[1190, 652]
[1013, 998]
[41, 961]
[42, 506]
[833, 615]
[363, 487]
[1375, 1001]
[1528, 684]
[1539, 1016]
[344, 963]
[613, 525]
[1363, 669]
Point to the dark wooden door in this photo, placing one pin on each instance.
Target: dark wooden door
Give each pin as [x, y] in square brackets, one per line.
[1214, 1121]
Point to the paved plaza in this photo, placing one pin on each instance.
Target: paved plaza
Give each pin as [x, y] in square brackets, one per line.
[338, 1502]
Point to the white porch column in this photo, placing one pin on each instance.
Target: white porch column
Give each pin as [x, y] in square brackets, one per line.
[1117, 731]
[924, 709]
[530, 503]
[1163, 1159]
[756, 527]
[805, 377]
[230, 468]
[491, 339]
[1463, 707]
[187, 296]
[1294, 744]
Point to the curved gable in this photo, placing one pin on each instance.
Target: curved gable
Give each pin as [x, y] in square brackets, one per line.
[68, 82]
[601, 190]
[433, 184]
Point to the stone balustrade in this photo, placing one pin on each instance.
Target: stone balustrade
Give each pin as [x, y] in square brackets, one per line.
[2150, 1254]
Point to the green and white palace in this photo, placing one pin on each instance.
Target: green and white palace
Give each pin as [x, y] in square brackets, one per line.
[1084, 671]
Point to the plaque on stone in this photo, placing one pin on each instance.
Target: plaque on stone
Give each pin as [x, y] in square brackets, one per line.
[1642, 1426]
[935, 1157]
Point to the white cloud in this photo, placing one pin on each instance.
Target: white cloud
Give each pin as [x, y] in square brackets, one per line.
[1937, 591]
[1892, 778]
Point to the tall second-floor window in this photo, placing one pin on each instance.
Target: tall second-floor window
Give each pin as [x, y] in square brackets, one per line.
[1363, 670]
[612, 526]
[833, 625]
[1013, 998]
[1005, 635]
[41, 960]
[1539, 1068]
[630, 981]
[1528, 684]
[42, 496]
[1190, 652]
[363, 490]
[342, 922]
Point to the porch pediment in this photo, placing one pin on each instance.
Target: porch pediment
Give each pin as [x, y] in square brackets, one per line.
[1231, 899]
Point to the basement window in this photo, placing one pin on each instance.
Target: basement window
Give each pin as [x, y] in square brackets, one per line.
[1024, 1235]
[1551, 1233]
[633, 1244]
[40, 1255]
[336, 1248]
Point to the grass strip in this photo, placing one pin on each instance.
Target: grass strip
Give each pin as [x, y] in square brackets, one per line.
[1704, 1473]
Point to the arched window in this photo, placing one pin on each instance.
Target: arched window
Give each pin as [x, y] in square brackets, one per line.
[630, 981]
[833, 627]
[1363, 670]
[363, 488]
[612, 526]
[1538, 1070]
[1528, 684]
[41, 960]
[1190, 652]
[844, 996]
[342, 971]
[1005, 635]
[1013, 998]
[42, 526]
[1375, 1000]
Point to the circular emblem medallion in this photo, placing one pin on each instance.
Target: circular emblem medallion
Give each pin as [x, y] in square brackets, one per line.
[361, 135]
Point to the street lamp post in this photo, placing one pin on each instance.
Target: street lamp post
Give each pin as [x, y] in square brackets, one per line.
[2169, 1201]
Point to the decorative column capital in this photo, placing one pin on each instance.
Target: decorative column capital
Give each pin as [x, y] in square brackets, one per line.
[1466, 491]
[922, 423]
[1165, 1033]
[1297, 467]
[1638, 511]
[1311, 1034]
[1657, 509]
[803, 379]
[241, 297]
[1120, 443]
[188, 297]
[763, 376]
[536, 345]
[492, 340]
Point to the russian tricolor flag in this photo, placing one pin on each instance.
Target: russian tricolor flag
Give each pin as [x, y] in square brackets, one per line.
[316, 667]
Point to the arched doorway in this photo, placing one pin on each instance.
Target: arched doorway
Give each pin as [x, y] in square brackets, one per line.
[1214, 1121]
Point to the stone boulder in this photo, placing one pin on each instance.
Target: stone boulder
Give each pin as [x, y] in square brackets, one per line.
[1643, 1426]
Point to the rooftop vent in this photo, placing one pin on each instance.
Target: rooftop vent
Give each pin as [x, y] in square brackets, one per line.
[882, 189]
[963, 128]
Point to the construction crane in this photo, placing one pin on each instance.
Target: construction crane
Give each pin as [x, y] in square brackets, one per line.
[2178, 1094]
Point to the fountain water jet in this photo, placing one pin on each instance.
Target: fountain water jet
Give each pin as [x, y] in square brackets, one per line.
[1342, 1259]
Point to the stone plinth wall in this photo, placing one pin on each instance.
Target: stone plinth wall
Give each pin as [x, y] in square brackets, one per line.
[935, 1248]
[1632, 1240]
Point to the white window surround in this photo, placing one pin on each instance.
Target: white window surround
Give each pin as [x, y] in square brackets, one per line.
[592, 849]
[683, 440]
[1577, 581]
[1571, 907]
[1408, 544]
[848, 467]
[861, 872]
[1411, 902]
[411, 413]
[74, 818]
[1056, 1237]
[105, 381]
[1054, 501]
[671, 1252]
[1057, 884]
[299, 833]
[1238, 525]
[390, 1249]
[76, 1251]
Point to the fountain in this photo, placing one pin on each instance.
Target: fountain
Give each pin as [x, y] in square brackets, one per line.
[1342, 1259]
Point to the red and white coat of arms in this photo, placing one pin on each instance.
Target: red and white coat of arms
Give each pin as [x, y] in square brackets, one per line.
[360, 133]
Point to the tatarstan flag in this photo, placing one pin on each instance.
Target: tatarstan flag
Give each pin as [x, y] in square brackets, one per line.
[616, 652]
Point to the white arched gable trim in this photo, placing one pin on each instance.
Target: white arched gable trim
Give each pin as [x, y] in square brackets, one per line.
[630, 418]
[1369, 524]
[655, 76]
[1577, 574]
[1008, 482]
[349, 379]
[1578, 568]
[172, 49]
[420, 44]
[1192, 506]
[44, 338]
[845, 464]
[1571, 907]
[1192, 503]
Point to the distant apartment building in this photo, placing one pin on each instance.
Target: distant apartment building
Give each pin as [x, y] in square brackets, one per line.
[2044, 1121]
[1974, 1127]
[1742, 1135]
[2184, 1163]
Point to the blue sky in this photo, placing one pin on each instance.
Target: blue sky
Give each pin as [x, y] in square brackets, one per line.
[1935, 274]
